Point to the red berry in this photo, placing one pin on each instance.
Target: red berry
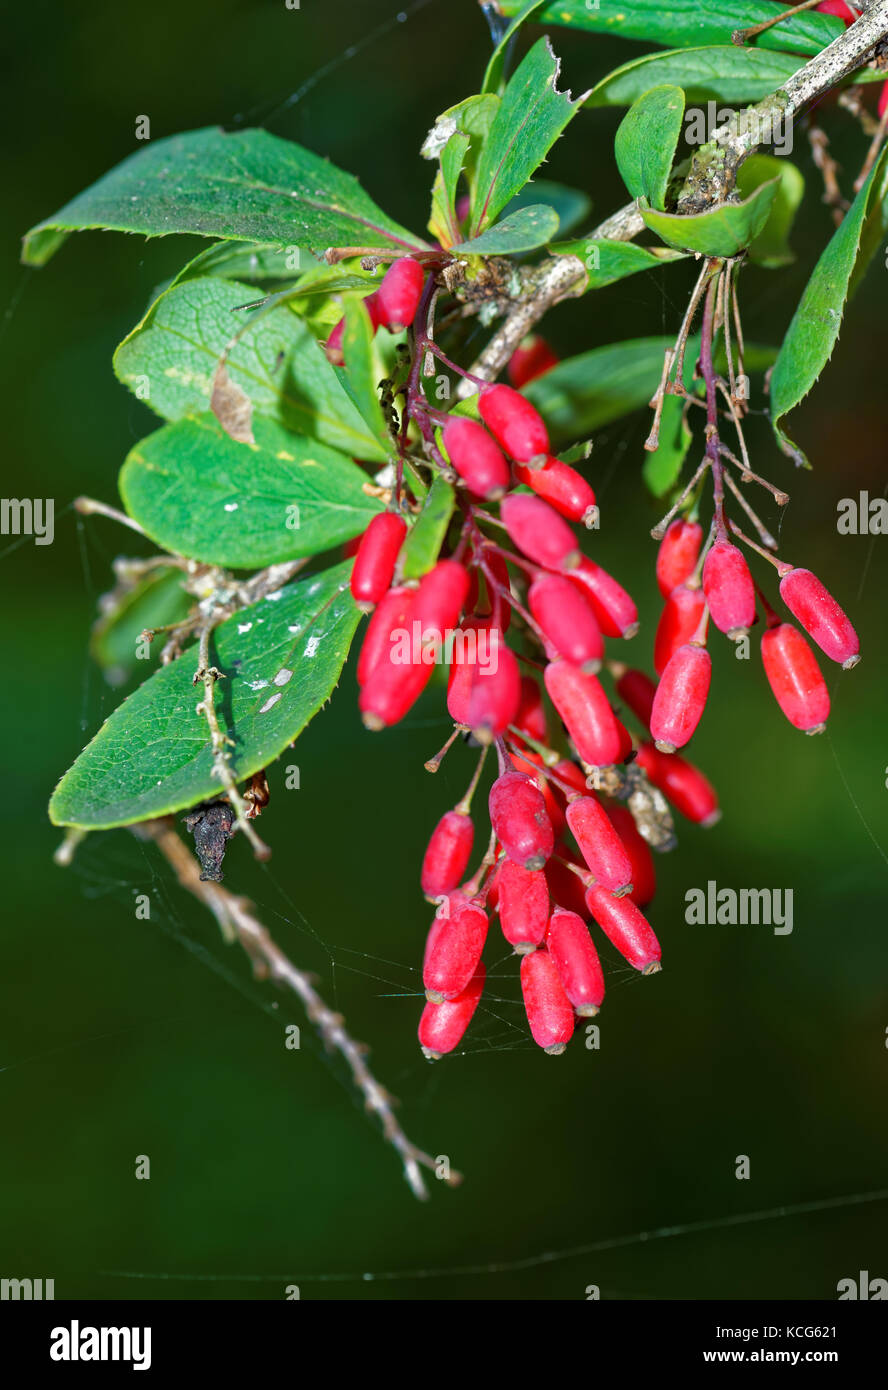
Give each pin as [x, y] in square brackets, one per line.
[459, 680]
[580, 700]
[439, 600]
[678, 554]
[499, 571]
[442, 1026]
[531, 716]
[600, 845]
[399, 293]
[729, 590]
[391, 689]
[375, 561]
[390, 615]
[447, 854]
[626, 928]
[539, 532]
[795, 678]
[519, 820]
[548, 1008]
[494, 691]
[562, 487]
[532, 763]
[682, 783]
[566, 620]
[837, 8]
[574, 776]
[821, 617]
[882, 106]
[453, 947]
[644, 875]
[566, 887]
[678, 623]
[333, 345]
[515, 424]
[638, 690]
[576, 960]
[615, 609]
[523, 905]
[531, 359]
[681, 697]
[476, 458]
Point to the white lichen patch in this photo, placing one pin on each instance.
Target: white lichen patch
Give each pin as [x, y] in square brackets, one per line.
[270, 702]
[283, 676]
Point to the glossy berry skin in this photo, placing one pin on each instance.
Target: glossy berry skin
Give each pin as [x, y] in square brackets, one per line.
[615, 609]
[443, 1025]
[644, 875]
[519, 820]
[795, 678]
[678, 554]
[566, 888]
[440, 598]
[729, 590]
[390, 614]
[539, 532]
[374, 564]
[626, 928]
[637, 690]
[398, 296]
[453, 948]
[494, 691]
[532, 763]
[476, 457]
[576, 960]
[678, 623]
[689, 791]
[515, 424]
[531, 716]
[459, 679]
[390, 691]
[523, 905]
[583, 705]
[681, 697]
[818, 613]
[549, 1011]
[600, 845]
[531, 358]
[567, 621]
[562, 487]
[447, 854]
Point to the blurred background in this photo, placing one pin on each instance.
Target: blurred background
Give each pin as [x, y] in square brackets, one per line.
[121, 1037]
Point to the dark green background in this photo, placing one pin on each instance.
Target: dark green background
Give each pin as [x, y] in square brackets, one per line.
[120, 1037]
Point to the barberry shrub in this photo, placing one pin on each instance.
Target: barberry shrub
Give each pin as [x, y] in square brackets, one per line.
[327, 378]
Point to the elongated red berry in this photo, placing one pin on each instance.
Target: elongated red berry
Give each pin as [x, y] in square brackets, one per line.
[600, 845]
[494, 690]
[439, 600]
[821, 617]
[531, 716]
[681, 697]
[532, 763]
[615, 609]
[795, 678]
[453, 947]
[531, 358]
[443, 1025]
[391, 690]
[644, 875]
[399, 293]
[576, 960]
[499, 574]
[682, 783]
[637, 689]
[375, 561]
[678, 623]
[391, 615]
[562, 487]
[626, 928]
[476, 457]
[539, 532]
[470, 639]
[515, 424]
[567, 620]
[566, 887]
[678, 554]
[580, 700]
[519, 820]
[549, 1011]
[447, 854]
[523, 905]
[333, 345]
[729, 590]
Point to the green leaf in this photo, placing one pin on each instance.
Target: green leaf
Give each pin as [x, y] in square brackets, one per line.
[721, 231]
[170, 358]
[662, 467]
[444, 223]
[280, 660]
[424, 539]
[719, 73]
[153, 602]
[361, 374]
[523, 230]
[570, 204]
[814, 330]
[245, 186]
[646, 140]
[493, 77]
[607, 261]
[531, 116]
[689, 23]
[771, 247]
[200, 494]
